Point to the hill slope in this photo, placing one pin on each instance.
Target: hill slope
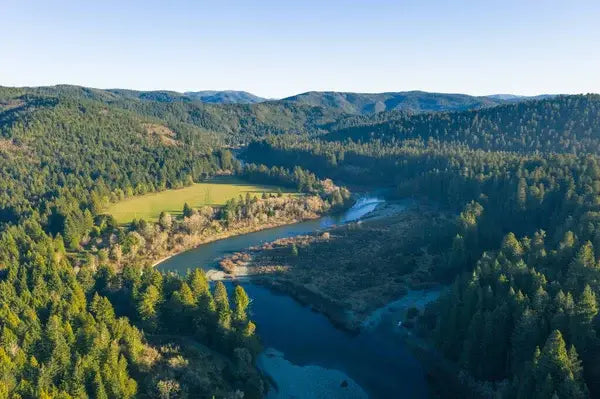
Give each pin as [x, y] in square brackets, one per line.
[561, 124]
[233, 123]
[86, 144]
[206, 96]
[413, 101]
[225, 97]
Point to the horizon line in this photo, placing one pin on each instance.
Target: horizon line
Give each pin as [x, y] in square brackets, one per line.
[184, 92]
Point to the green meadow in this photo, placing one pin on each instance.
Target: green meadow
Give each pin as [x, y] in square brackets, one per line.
[214, 192]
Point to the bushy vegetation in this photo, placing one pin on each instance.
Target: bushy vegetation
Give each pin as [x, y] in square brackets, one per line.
[350, 271]
[141, 242]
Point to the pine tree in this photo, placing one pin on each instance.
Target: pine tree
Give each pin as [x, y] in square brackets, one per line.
[575, 364]
[198, 282]
[71, 233]
[582, 268]
[187, 210]
[586, 309]
[148, 306]
[511, 247]
[458, 254]
[555, 362]
[102, 309]
[241, 304]
[222, 305]
[525, 338]
[186, 295]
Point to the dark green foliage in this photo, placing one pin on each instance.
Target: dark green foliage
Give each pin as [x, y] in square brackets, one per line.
[528, 229]
[187, 210]
[411, 101]
[233, 123]
[54, 341]
[63, 333]
[299, 179]
[63, 162]
[523, 178]
[566, 124]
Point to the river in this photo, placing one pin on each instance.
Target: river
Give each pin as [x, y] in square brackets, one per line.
[306, 356]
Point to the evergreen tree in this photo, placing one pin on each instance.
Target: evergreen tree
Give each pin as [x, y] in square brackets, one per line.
[556, 363]
[584, 313]
[187, 210]
[241, 304]
[222, 305]
[148, 306]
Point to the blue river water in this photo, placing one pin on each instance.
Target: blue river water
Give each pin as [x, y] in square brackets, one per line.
[375, 359]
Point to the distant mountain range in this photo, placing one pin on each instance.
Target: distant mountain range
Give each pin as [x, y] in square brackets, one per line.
[205, 96]
[341, 102]
[345, 102]
[513, 97]
[224, 97]
[410, 101]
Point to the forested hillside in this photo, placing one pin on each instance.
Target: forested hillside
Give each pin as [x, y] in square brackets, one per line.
[239, 121]
[61, 160]
[562, 124]
[61, 157]
[520, 320]
[225, 97]
[234, 124]
[411, 101]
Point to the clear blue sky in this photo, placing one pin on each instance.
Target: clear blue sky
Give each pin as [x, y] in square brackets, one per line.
[279, 48]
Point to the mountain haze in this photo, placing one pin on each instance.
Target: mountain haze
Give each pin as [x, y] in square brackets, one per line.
[205, 96]
[224, 97]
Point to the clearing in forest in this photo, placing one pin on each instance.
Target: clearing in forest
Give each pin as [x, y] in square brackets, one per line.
[214, 192]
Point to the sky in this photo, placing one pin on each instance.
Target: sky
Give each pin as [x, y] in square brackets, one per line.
[279, 48]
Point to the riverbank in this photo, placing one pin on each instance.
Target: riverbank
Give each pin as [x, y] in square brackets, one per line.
[379, 364]
[149, 244]
[193, 242]
[388, 257]
[190, 242]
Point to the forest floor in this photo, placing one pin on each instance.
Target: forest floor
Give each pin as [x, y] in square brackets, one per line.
[215, 192]
[350, 271]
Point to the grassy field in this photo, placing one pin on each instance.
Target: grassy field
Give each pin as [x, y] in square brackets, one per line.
[215, 192]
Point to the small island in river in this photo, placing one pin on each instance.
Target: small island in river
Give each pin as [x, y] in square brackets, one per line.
[349, 271]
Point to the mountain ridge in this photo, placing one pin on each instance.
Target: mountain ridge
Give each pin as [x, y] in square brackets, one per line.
[352, 103]
[412, 101]
[225, 97]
